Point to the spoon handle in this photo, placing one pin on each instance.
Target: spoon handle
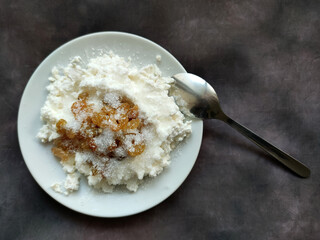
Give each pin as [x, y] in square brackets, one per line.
[281, 156]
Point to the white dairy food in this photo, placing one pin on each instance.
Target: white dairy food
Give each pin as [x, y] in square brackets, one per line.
[69, 185]
[106, 78]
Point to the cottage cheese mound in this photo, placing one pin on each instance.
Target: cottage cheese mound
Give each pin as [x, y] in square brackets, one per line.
[107, 81]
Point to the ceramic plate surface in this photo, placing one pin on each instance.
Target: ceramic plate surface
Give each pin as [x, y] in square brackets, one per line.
[46, 170]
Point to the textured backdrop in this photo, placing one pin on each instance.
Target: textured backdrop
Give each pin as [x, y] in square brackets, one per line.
[263, 59]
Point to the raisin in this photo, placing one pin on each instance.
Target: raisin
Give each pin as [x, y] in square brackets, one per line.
[137, 150]
[60, 153]
[133, 124]
[70, 134]
[133, 112]
[100, 119]
[118, 124]
[108, 110]
[61, 126]
[79, 107]
[123, 108]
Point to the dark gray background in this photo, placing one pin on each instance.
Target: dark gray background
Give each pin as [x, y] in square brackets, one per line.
[263, 59]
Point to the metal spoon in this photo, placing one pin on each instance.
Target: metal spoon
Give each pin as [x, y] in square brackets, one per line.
[197, 99]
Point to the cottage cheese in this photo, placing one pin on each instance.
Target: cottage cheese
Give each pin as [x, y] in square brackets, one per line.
[107, 78]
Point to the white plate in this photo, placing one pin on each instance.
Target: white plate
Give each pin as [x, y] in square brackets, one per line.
[45, 168]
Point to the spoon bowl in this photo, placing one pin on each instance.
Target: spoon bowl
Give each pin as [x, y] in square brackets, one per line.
[197, 99]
